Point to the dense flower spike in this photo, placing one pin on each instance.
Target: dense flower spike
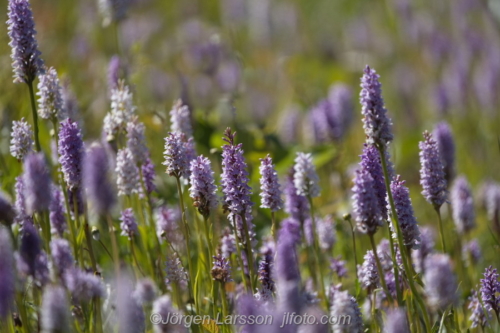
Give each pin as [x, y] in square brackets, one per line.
[36, 183]
[375, 121]
[367, 272]
[203, 190]
[54, 310]
[128, 223]
[168, 225]
[180, 119]
[340, 96]
[338, 266]
[50, 102]
[221, 270]
[176, 159]
[234, 181]
[71, 153]
[325, 231]
[471, 252]
[431, 172]
[266, 272]
[269, 186]
[365, 204]
[406, 217]
[26, 60]
[21, 142]
[116, 72]
[297, 206]
[305, 178]
[175, 273]
[7, 287]
[122, 111]
[128, 181]
[440, 282]
[446, 146]
[462, 205]
[61, 255]
[344, 304]
[148, 175]
[396, 322]
[490, 287]
[29, 249]
[136, 142]
[425, 249]
[57, 217]
[20, 202]
[96, 170]
[370, 161]
[479, 315]
[82, 285]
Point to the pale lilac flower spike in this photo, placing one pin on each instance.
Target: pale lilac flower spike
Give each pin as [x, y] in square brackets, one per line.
[128, 223]
[175, 156]
[462, 205]
[344, 304]
[128, 181]
[365, 204]
[21, 142]
[50, 101]
[55, 310]
[26, 60]
[439, 281]
[305, 178]
[36, 183]
[375, 121]
[446, 146]
[490, 286]
[203, 190]
[7, 287]
[71, 153]
[136, 141]
[432, 172]
[180, 119]
[270, 188]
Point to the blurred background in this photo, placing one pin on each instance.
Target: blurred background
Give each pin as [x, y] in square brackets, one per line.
[268, 68]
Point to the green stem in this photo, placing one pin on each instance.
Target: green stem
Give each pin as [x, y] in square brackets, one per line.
[441, 231]
[114, 246]
[248, 247]
[274, 227]
[380, 271]
[320, 284]
[35, 116]
[347, 218]
[402, 248]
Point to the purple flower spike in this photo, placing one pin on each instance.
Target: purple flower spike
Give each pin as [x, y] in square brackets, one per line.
[325, 231]
[7, 287]
[337, 265]
[431, 172]
[96, 170]
[136, 142]
[305, 178]
[20, 202]
[343, 305]
[370, 161]
[269, 186]
[367, 272]
[128, 181]
[266, 266]
[296, 206]
[130, 313]
[490, 287]
[221, 270]
[425, 249]
[167, 225]
[396, 322]
[21, 142]
[29, 249]
[149, 175]
[82, 285]
[203, 190]
[164, 307]
[71, 153]
[480, 316]
[57, 217]
[446, 146]
[128, 224]
[26, 60]
[366, 207]
[440, 282]
[55, 310]
[116, 72]
[176, 160]
[61, 255]
[175, 273]
[36, 183]
[462, 205]
[234, 181]
[340, 96]
[7, 212]
[50, 101]
[471, 252]
[180, 119]
[375, 121]
[145, 291]
[406, 217]
[122, 111]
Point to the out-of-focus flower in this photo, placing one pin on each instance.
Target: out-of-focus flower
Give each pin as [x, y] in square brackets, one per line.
[180, 119]
[446, 146]
[297, 206]
[439, 281]
[269, 185]
[136, 142]
[462, 205]
[21, 142]
[396, 322]
[431, 172]
[128, 223]
[113, 10]
[7, 276]
[50, 102]
[305, 178]
[55, 310]
[128, 181]
[343, 305]
[83, 285]
[122, 111]
[368, 273]
[36, 183]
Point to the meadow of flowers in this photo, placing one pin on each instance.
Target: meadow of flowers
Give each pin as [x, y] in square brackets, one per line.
[225, 161]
